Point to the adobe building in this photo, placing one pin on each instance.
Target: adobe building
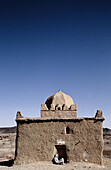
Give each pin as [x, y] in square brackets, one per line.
[59, 130]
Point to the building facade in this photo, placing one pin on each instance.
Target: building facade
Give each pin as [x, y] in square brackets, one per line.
[59, 130]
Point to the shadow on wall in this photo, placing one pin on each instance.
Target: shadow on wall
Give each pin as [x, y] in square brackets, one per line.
[7, 163]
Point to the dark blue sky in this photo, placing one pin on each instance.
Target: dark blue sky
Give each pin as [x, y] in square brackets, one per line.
[50, 45]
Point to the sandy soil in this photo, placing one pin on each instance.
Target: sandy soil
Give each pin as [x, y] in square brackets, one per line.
[70, 166]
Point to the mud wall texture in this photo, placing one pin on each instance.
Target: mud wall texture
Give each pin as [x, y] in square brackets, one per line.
[36, 140]
[58, 114]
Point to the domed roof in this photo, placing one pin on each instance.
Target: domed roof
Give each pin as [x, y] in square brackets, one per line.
[59, 98]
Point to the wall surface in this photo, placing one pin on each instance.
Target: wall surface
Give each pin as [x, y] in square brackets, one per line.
[58, 114]
[36, 139]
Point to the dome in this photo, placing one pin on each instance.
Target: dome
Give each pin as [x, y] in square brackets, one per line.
[60, 99]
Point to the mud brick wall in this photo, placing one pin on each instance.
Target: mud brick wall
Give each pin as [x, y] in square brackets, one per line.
[37, 138]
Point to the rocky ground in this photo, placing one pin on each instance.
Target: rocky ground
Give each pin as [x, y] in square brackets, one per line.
[7, 152]
[107, 143]
[7, 143]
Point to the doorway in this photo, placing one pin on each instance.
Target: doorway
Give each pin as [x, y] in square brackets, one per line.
[61, 150]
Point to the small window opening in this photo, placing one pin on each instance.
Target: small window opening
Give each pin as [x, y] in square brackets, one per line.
[67, 130]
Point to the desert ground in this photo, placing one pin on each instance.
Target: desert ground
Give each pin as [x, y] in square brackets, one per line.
[7, 152]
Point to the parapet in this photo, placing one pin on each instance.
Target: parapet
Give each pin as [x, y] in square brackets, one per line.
[73, 107]
[99, 114]
[19, 115]
[22, 119]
